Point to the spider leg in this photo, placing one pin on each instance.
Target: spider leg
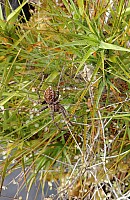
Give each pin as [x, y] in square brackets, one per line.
[40, 85]
[53, 119]
[43, 108]
[32, 100]
[64, 113]
[43, 102]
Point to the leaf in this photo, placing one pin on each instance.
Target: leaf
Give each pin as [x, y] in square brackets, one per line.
[126, 11]
[1, 13]
[13, 16]
[4, 171]
[87, 55]
[81, 6]
[2, 24]
[4, 101]
[99, 92]
[104, 45]
[52, 76]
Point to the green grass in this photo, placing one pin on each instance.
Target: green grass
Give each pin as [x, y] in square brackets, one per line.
[75, 48]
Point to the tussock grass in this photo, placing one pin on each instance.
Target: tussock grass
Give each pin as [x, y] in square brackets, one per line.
[83, 49]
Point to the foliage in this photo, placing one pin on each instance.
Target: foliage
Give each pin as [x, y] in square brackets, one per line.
[81, 48]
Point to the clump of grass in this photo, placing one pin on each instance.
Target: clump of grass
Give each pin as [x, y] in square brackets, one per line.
[83, 49]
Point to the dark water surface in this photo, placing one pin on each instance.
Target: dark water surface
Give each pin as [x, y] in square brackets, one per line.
[11, 189]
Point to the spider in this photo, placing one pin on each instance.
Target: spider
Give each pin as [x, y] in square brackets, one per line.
[51, 98]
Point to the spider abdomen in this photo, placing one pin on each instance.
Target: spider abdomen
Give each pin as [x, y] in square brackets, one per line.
[50, 95]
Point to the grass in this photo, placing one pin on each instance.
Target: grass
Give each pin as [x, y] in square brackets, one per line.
[84, 53]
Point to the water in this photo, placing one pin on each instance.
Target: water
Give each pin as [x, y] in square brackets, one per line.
[12, 189]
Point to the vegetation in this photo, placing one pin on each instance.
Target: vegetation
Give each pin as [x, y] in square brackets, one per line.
[82, 49]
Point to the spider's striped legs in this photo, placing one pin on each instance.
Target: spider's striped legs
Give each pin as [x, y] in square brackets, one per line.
[65, 114]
